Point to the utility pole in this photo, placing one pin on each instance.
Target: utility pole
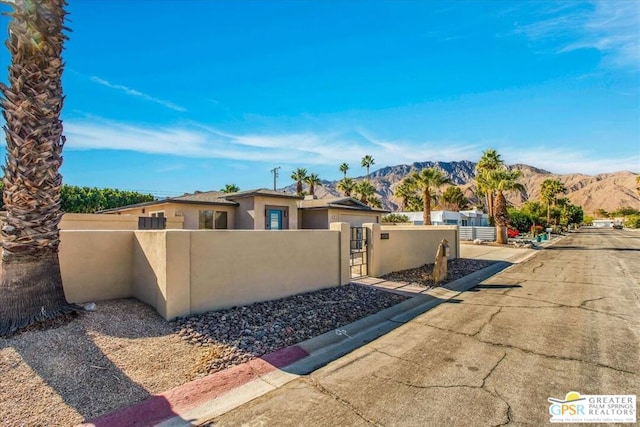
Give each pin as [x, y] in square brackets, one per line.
[274, 171]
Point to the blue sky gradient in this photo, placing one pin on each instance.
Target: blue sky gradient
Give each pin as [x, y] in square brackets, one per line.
[176, 96]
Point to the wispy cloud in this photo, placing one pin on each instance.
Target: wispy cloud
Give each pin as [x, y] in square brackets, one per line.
[133, 92]
[323, 148]
[562, 160]
[611, 27]
[195, 140]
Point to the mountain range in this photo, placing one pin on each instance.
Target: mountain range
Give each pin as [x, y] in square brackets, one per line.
[608, 191]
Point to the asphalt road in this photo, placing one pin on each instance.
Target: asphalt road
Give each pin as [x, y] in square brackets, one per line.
[567, 319]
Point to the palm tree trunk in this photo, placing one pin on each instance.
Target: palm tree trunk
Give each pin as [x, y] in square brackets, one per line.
[426, 214]
[31, 291]
[30, 282]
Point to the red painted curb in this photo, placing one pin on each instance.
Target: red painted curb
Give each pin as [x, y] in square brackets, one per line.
[180, 399]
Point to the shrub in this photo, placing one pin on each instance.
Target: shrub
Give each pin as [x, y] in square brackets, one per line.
[395, 218]
[632, 221]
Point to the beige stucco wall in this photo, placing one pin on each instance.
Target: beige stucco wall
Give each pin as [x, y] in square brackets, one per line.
[161, 270]
[179, 272]
[96, 265]
[245, 214]
[407, 246]
[230, 268]
[75, 221]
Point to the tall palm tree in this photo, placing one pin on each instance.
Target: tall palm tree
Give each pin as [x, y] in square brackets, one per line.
[367, 162]
[30, 282]
[427, 182]
[312, 181]
[365, 190]
[344, 168]
[346, 185]
[504, 181]
[549, 191]
[489, 161]
[230, 188]
[299, 176]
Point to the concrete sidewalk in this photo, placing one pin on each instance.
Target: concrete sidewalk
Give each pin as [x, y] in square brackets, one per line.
[197, 402]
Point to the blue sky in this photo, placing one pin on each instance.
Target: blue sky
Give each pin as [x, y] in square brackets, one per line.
[176, 96]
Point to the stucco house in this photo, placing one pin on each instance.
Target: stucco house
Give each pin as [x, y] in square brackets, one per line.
[260, 209]
[474, 217]
[319, 213]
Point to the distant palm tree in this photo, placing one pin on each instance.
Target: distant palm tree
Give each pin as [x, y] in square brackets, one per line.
[374, 202]
[299, 176]
[489, 161]
[346, 185]
[404, 191]
[428, 181]
[30, 280]
[367, 162]
[453, 199]
[312, 181]
[344, 168]
[504, 180]
[365, 190]
[549, 191]
[230, 188]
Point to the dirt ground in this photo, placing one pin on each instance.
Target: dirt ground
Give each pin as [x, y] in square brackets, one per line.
[103, 360]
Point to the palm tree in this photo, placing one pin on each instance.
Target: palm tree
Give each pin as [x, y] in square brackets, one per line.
[344, 168]
[365, 190]
[230, 188]
[374, 202]
[30, 282]
[549, 191]
[346, 185]
[299, 176]
[489, 161]
[503, 180]
[313, 180]
[404, 191]
[367, 162]
[453, 199]
[428, 181]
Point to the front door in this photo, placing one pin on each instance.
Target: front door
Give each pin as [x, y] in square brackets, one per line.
[274, 219]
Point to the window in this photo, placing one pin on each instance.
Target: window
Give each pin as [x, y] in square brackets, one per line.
[205, 220]
[156, 214]
[221, 220]
[210, 220]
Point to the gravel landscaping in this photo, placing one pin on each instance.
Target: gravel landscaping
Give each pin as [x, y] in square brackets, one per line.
[124, 351]
[456, 269]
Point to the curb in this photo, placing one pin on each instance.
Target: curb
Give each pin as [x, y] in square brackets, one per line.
[201, 400]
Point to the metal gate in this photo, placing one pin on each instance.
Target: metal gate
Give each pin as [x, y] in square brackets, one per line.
[358, 256]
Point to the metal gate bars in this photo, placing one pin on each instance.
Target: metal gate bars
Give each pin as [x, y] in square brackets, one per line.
[358, 256]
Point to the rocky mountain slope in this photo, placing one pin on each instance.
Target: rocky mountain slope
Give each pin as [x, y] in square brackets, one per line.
[608, 191]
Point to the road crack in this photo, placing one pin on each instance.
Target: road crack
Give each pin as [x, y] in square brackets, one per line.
[524, 350]
[487, 322]
[316, 384]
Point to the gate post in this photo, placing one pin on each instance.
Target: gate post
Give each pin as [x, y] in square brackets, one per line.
[344, 252]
